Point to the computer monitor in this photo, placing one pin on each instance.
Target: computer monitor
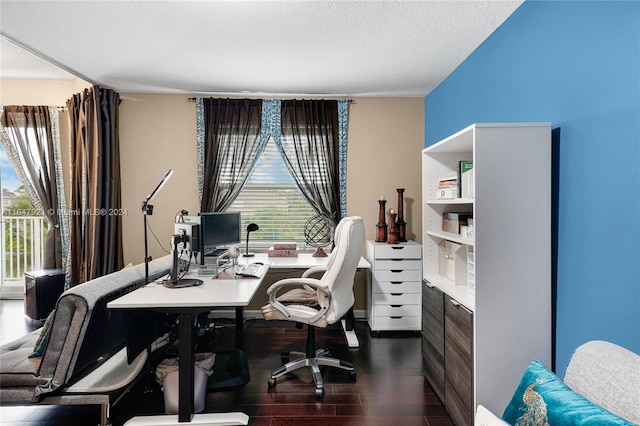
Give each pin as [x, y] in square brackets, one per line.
[218, 229]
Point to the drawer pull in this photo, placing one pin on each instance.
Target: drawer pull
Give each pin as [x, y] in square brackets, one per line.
[396, 306]
[396, 294]
[397, 282]
[396, 271]
[396, 317]
[459, 305]
[397, 247]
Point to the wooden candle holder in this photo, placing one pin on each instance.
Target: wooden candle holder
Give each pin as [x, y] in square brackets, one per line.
[381, 234]
[392, 238]
[401, 224]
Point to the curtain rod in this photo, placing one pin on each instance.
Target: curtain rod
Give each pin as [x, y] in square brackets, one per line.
[351, 101]
[49, 106]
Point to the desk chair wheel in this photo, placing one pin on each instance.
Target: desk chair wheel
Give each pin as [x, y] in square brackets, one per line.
[271, 383]
[319, 392]
[352, 375]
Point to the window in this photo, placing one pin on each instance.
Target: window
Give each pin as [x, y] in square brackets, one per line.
[271, 199]
[22, 233]
[242, 169]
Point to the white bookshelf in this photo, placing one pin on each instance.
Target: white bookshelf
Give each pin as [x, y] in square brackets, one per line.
[511, 295]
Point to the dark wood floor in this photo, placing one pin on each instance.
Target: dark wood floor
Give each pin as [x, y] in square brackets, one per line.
[389, 389]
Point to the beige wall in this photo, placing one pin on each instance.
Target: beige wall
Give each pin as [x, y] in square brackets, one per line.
[386, 136]
[39, 92]
[158, 133]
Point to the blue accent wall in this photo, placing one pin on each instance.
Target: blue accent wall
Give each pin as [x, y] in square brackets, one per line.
[575, 64]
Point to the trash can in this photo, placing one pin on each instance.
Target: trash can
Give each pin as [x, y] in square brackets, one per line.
[41, 291]
[167, 375]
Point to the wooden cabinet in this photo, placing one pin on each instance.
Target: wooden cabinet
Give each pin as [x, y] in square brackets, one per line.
[458, 357]
[393, 294]
[499, 274]
[433, 337]
[447, 340]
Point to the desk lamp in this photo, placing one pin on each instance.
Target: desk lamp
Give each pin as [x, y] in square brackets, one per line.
[147, 209]
[250, 228]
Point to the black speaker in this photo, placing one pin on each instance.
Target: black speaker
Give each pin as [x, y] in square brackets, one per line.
[41, 291]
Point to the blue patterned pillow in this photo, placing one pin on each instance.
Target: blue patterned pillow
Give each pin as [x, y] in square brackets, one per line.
[43, 338]
[542, 399]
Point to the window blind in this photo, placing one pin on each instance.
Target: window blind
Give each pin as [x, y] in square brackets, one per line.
[271, 199]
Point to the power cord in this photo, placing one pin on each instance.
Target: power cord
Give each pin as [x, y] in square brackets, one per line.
[157, 240]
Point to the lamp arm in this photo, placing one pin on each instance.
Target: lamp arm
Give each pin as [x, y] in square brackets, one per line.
[147, 209]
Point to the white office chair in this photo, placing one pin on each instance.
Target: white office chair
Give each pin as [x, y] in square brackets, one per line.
[319, 302]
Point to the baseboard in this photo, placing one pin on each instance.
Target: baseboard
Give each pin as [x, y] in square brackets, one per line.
[256, 314]
[12, 294]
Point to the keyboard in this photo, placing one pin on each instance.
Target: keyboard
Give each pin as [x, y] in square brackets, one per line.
[251, 270]
[216, 252]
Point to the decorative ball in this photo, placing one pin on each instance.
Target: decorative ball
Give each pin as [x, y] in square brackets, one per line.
[234, 252]
[318, 231]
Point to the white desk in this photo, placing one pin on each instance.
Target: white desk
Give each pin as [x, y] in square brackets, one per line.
[302, 261]
[214, 292]
[187, 303]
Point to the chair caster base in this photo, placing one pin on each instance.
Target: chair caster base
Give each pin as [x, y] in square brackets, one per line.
[271, 383]
[319, 392]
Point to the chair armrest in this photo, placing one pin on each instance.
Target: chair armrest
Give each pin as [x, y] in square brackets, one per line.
[294, 282]
[313, 270]
[324, 298]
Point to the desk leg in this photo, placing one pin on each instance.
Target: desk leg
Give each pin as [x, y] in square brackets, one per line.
[349, 333]
[185, 390]
[185, 367]
[239, 318]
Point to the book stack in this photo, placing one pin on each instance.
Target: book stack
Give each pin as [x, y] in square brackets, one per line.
[447, 187]
[283, 250]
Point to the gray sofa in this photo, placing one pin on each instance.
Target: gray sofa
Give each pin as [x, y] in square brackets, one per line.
[605, 374]
[85, 360]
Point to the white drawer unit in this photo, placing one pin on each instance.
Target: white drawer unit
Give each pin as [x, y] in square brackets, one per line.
[394, 293]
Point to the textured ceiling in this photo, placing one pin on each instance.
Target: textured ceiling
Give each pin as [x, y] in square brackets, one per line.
[352, 48]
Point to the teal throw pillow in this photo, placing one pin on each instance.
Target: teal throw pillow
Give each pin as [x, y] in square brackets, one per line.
[43, 338]
[542, 399]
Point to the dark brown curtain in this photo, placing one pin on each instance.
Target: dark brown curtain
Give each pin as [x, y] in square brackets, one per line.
[231, 149]
[31, 150]
[309, 147]
[95, 232]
